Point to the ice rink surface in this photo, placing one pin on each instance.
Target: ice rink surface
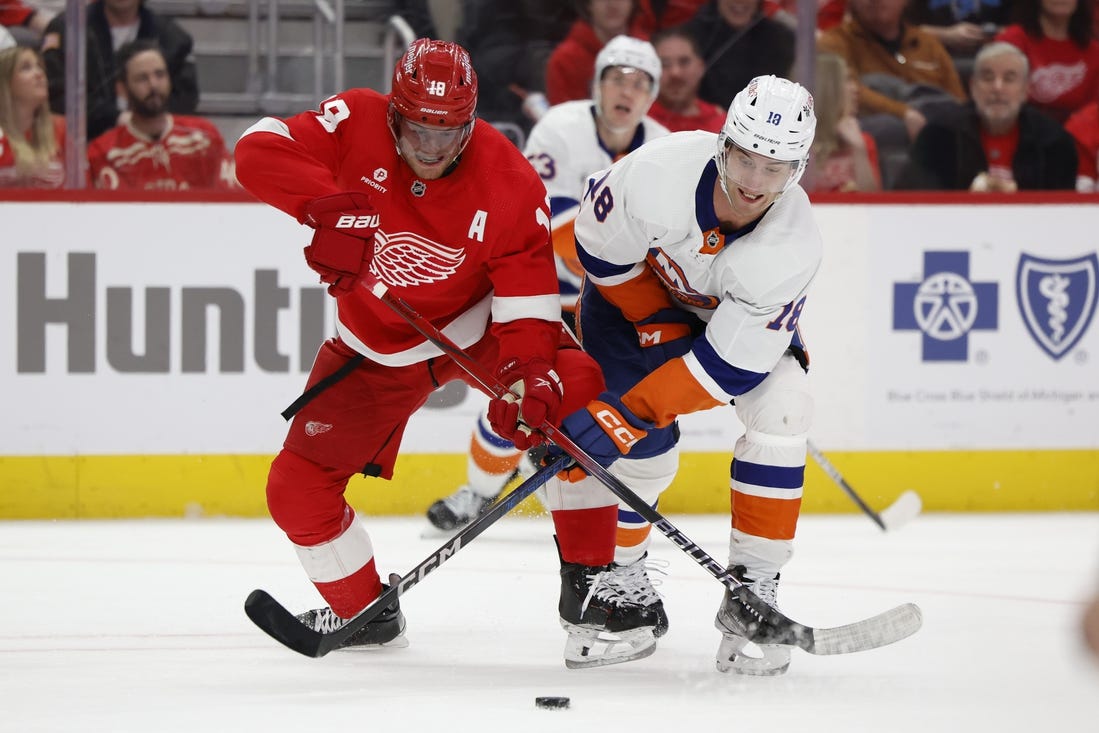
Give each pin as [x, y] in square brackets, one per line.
[138, 626]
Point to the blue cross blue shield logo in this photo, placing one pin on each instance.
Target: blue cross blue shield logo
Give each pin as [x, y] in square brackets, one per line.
[1057, 299]
[945, 306]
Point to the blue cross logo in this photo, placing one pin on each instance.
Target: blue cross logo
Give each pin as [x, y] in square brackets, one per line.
[945, 306]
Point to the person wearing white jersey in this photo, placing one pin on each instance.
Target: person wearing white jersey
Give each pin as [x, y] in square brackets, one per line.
[699, 251]
[569, 143]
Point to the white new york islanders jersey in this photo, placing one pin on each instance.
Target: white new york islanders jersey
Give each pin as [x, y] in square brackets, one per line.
[565, 149]
[655, 209]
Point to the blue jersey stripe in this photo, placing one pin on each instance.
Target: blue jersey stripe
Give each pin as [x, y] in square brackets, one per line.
[733, 380]
[597, 267]
[561, 203]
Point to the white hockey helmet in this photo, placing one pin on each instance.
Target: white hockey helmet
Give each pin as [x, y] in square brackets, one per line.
[631, 52]
[772, 117]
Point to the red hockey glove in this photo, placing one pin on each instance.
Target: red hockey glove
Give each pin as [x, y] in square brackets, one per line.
[665, 335]
[606, 430]
[343, 244]
[539, 393]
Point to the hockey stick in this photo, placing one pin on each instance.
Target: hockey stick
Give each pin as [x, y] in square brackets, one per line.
[900, 512]
[284, 627]
[763, 624]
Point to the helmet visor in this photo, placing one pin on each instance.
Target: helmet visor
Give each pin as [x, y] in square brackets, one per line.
[755, 173]
[428, 144]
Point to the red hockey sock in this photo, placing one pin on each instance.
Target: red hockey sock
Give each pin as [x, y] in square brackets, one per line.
[586, 536]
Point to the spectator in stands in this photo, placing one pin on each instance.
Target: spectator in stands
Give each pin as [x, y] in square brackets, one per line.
[655, 15]
[739, 43]
[997, 142]
[830, 13]
[844, 158]
[154, 149]
[510, 42]
[417, 14]
[1084, 128]
[1056, 37]
[963, 26]
[110, 24]
[26, 22]
[902, 72]
[678, 106]
[32, 141]
[569, 69]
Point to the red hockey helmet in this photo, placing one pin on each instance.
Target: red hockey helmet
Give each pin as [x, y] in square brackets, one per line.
[434, 84]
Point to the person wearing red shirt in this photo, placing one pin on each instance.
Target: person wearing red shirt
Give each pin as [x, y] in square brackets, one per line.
[655, 15]
[1084, 128]
[569, 69]
[152, 149]
[997, 143]
[1056, 37]
[412, 190]
[678, 106]
[32, 141]
[29, 22]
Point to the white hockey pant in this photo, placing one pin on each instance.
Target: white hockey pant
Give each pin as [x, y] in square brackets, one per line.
[776, 416]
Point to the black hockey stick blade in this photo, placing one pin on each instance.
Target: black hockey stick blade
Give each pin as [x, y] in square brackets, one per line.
[764, 624]
[282, 626]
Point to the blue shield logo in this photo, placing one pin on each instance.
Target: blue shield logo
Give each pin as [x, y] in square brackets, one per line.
[1057, 299]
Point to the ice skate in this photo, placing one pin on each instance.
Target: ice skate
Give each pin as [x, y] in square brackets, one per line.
[459, 509]
[603, 628]
[386, 630]
[633, 585]
[773, 659]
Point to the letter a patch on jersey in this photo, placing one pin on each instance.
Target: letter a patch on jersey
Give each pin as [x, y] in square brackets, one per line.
[477, 226]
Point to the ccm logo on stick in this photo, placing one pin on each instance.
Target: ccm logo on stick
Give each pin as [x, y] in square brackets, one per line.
[348, 221]
[620, 432]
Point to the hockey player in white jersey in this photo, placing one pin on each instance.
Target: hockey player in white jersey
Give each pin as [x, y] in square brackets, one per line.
[569, 143]
[699, 251]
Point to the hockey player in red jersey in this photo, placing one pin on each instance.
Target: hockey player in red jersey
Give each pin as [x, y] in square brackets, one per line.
[154, 150]
[446, 212]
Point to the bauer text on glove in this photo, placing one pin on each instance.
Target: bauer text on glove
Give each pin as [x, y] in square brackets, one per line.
[343, 243]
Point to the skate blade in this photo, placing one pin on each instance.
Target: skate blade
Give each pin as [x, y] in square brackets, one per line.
[773, 659]
[586, 648]
[399, 642]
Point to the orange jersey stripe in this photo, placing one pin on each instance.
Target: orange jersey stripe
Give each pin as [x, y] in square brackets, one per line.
[564, 246]
[774, 519]
[668, 392]
[639, 297]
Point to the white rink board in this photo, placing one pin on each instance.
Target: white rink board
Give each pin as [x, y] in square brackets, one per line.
[875, 387]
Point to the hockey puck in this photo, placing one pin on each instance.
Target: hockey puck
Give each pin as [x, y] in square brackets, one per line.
[551, 703]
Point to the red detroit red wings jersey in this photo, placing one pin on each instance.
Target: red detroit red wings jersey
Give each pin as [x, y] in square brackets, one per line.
[189, 155]
[457, 249]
